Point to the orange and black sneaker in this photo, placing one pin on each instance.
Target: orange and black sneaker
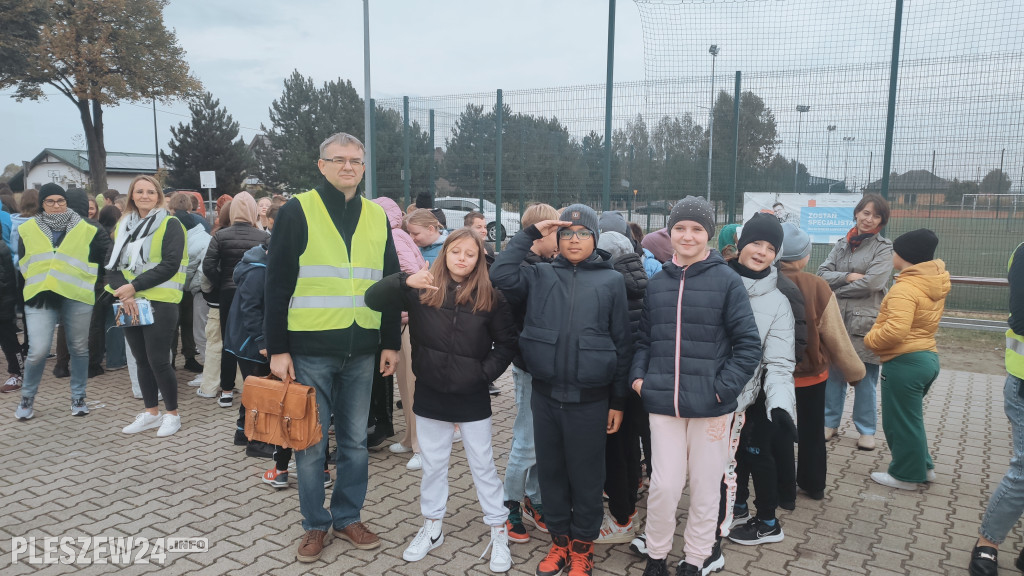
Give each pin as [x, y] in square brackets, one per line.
[514, 525]
[581, 558]
[557, 558]
[534, 514]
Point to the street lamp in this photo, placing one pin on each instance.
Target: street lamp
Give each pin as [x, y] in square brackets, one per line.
[713, 50]
[828, 145]
[796, 169]
[846, 164]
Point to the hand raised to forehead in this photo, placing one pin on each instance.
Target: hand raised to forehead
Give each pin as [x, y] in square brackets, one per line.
[548, 226]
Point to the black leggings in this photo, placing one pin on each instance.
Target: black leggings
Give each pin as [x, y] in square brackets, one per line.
[755, 457]
[228, 361]
[810, 413]
[11, 347]
[622, 461]
[151, 346]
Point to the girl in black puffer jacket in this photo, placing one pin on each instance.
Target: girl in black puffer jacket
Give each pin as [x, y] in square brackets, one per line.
[227, 248]
[463, 337]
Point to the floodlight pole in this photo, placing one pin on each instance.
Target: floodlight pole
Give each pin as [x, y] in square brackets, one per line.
[609, 88]
[713, 50]
[800, 125]
[828, 146]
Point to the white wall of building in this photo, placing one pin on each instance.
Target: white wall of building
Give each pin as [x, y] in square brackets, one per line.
[53, 170]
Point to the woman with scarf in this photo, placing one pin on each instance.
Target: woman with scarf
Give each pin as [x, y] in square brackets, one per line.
[148, 263]
[226, 250]
[858, 270]
[59, 255]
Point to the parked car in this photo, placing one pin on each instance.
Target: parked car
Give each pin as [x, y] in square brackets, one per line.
[662, 207]
[456, 208]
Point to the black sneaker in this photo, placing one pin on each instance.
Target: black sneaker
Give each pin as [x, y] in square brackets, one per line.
[256, 449]
[656, 568]
[192, 365]
[984, 561]
[95, 371]
[740, 515]
[377, 437]
[687, 570]
[639, 545]
[225, 401]
[240, 438]
[61, 372]
[788, 505]
[493, 390]
[755, 531]
[716, 561]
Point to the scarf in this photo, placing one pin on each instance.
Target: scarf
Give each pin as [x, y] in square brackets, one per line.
[855, 240]
[56, 225]
[131, 248]
[747, 272]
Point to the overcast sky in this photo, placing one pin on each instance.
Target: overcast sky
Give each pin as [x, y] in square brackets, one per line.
[242, 52]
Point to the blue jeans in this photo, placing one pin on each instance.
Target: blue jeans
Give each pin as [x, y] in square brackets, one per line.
[865, 403]
[343, 388]
[116, 355]
[1007, 502]
[40, 324]
[521, 470]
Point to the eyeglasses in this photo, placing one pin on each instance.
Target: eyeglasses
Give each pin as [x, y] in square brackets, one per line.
[355, 162]
[583, 234]
[57, 202]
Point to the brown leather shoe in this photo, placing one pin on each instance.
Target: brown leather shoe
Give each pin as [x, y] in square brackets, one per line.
[359, 535]
[312, 545]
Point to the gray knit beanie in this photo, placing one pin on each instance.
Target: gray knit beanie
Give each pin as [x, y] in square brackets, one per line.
[582, 215]
[796, 243]
[696, 209]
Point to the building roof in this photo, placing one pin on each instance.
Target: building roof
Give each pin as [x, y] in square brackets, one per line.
[914, 180]
[117, 163]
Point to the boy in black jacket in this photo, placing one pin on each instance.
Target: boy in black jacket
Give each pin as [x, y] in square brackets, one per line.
[576, 344]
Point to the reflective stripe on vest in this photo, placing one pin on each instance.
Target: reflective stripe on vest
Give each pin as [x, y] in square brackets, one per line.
[1014, 342]
[171, 289]
[65, 270]
[331, 282]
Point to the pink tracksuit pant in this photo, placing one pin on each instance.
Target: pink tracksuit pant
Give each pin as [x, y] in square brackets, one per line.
[700, 447]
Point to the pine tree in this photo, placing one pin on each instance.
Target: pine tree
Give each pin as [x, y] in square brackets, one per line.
[209, 142]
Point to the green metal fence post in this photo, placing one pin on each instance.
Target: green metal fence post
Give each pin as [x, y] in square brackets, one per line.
[499, 121]
[735, 148]
[373, 143]
[609, 88]
[650, 163]
[432, 160]
[406, 175]
[890, 119]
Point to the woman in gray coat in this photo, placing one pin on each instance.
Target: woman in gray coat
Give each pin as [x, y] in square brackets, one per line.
[858, 270]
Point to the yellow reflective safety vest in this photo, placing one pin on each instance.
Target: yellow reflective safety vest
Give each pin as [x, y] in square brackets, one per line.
[65, 270]
[1014, 342]
[332, 278]
[169, 290]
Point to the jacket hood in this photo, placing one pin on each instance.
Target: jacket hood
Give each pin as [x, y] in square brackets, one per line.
[78, 201]
[762, 286]
[929, 277]
[613, 222]
[254, 257]
[391, 209]
[713, 259]
[614, 243]
[440, 240]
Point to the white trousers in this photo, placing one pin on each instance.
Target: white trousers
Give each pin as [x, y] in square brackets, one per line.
[200, 314]
[435, 439]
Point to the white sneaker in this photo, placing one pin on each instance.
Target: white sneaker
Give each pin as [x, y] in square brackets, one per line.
[829, 433]
[202, 394]
[501, 557]
[613, 533]
[428, 538]
[143, 421]
[931, 475]
[457, 437]
[414, 463]
[397, 448]
[171, 424]
[885, 479]
[197, 382]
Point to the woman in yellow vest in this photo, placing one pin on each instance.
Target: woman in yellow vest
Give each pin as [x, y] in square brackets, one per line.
[148, 262]
[59, 257]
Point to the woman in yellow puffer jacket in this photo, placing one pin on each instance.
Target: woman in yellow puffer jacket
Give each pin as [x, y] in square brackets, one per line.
[904, 338]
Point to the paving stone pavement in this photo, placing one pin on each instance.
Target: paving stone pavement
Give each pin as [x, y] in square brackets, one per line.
[82, 477]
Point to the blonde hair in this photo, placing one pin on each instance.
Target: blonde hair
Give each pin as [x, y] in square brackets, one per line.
[423, 217]
[130, 205]
[476, 288]
[539, 212]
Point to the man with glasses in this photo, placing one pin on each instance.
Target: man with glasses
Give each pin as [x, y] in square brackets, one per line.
[576, 344]
[330, 244]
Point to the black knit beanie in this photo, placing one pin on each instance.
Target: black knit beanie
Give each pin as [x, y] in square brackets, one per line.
[916, 246]
[50, 189]
[762, 226]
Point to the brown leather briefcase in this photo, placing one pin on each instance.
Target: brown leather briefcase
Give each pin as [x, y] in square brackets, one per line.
[281, 413]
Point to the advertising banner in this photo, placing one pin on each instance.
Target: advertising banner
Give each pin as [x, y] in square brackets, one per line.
[825, 217]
